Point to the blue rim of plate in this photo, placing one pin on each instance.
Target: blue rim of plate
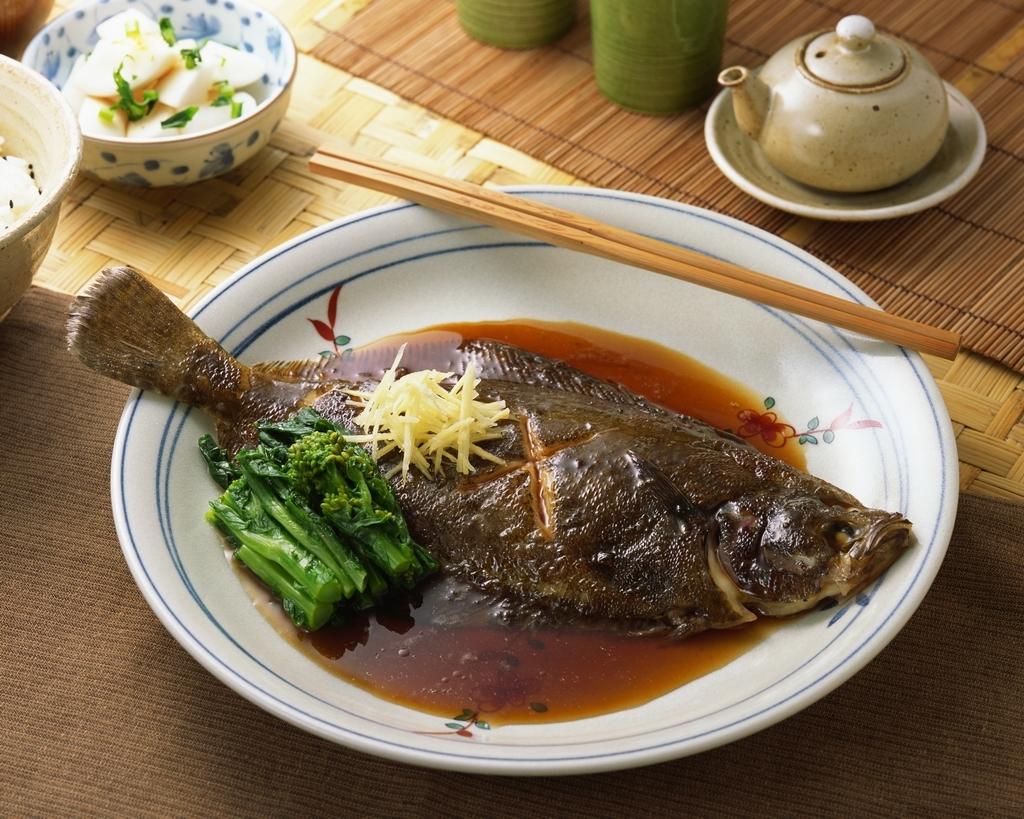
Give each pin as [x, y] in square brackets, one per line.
[477, 759]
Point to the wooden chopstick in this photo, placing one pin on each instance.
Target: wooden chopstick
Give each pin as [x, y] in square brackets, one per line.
[571, 230]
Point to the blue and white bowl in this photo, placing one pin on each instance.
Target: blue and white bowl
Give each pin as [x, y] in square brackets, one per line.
[186, 159]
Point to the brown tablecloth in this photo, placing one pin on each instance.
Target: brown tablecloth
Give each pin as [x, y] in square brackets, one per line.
[101, 712]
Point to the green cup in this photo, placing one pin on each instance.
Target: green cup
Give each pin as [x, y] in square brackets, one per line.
[516, 23]
[657, 56]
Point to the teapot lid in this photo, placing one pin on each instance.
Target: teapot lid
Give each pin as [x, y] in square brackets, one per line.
[854, 56]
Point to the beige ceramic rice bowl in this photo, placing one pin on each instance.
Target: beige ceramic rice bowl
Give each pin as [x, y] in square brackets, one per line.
[36, 125]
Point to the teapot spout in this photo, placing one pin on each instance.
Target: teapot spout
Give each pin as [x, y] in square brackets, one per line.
[749, 98]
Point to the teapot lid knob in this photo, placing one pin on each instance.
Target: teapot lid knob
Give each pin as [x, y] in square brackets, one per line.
[855, 31]
[853, 56]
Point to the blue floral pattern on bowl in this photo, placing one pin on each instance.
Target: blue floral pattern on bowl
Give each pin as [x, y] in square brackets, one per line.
[173, 161]
[201, 27]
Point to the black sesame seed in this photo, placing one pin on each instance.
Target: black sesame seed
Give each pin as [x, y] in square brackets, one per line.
[10, 202]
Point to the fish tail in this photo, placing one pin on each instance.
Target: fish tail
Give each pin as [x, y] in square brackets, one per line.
[123, 327]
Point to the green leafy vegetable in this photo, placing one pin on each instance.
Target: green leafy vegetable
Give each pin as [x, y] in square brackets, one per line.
[305, 612]
[270, 487]
[345, 483]
[225, 94]
[180, 119]
[217, 462]
[242, 516]
[313, 518]
[192, 57]
[126, 99]
[167, 31]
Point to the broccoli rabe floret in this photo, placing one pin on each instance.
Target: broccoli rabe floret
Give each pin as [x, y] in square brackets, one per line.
[314, 519]
[355, 498]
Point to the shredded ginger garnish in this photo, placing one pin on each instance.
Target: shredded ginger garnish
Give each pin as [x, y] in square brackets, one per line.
[427, 422]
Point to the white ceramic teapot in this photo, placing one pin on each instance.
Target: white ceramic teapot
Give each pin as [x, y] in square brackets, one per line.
[846, 110]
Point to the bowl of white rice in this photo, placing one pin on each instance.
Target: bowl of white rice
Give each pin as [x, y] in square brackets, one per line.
[40, 149]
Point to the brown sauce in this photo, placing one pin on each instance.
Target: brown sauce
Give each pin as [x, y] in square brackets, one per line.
[446, 652]
[509, 673]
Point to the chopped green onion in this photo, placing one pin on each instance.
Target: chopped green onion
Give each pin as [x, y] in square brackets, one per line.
[126, 101]
[236, 109]
[192, 57]
[180, 119]
[225, 93]
[131, 28]
[167, 31]
[107, 114]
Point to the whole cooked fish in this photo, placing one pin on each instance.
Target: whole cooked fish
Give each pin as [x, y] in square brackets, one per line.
[607, 508]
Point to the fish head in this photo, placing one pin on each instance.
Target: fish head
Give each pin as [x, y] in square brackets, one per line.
[785, 551]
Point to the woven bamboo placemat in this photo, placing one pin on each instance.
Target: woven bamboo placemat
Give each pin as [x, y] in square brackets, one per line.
[958, 265]
[189, 240]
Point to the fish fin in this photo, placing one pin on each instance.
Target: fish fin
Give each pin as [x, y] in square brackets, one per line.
[123, 327]
[681, 507]
[305, 370]
[500, 361]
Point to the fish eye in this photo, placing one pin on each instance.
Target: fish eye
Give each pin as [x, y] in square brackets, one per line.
[742, 517]
[840, 533]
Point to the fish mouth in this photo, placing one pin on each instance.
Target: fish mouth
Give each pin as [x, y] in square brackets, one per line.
[870, 553]
[889, 534]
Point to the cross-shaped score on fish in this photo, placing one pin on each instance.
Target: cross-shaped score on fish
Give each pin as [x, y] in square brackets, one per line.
[536, 463]
[433, 426]
[541, 493]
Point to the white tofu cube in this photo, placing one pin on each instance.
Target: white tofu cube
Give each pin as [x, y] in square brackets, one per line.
[94, 122]
[142, 60]
[206, 118]
[247, 101]
[149, 127]
[72, 89]
[184, 87]
[119, 25]
[237, 67]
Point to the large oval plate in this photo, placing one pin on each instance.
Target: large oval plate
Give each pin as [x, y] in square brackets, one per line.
[402, 267]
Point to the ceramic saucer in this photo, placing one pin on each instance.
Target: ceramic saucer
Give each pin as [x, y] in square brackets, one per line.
[741, 159]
